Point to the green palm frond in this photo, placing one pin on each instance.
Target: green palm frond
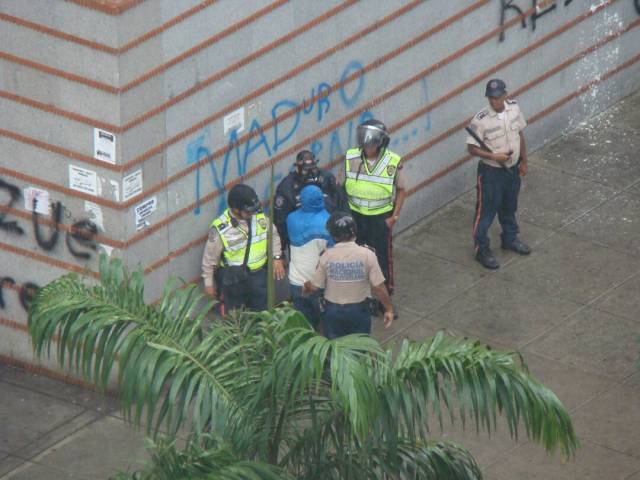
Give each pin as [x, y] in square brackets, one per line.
[463, 377]
[202, 458]
[411, 461]
[167, 364]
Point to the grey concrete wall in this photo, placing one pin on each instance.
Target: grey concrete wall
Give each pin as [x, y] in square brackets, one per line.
[163, 75]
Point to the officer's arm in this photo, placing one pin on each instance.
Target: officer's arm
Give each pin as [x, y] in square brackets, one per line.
[210, 259]
[281, 210]
[523, 149]
[401, 191]
[381, 293]
[309, 288]
[336, 192]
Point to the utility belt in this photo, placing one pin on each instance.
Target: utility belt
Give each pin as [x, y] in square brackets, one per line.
[366, 303]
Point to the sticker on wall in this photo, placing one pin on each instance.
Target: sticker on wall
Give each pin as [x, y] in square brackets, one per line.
[104, 146]
[41, 198]
[83, 180]
[132, 185]
[144, 211]
[234, 121]
[95, 214]
[115, 186]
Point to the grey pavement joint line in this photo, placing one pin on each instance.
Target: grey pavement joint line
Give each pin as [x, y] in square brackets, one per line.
[41, 449]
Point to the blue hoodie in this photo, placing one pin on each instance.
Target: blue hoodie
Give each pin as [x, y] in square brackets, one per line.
[308, 235]
[309, 222]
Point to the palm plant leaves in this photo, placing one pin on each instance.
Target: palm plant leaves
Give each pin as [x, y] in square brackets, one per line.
[278, 393]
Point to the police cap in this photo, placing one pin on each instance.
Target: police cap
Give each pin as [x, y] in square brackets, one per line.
[244, 198]
[341, 226]
[495, 88]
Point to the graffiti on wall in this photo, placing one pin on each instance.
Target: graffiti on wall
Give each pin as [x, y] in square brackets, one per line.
[540, 7]
[313, 114]
[79, 239]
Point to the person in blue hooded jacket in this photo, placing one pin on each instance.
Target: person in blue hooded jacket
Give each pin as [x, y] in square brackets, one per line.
[308, 237]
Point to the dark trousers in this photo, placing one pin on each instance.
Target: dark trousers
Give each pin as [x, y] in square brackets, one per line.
[497, 192]
[251, 294]
[374, 232]
[340, 320]
[308, 305]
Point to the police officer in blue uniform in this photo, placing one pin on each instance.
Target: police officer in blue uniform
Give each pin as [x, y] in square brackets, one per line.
[496, 138]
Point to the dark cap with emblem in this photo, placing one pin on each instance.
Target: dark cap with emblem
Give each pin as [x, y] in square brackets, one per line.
[495, 88]
[244, 198]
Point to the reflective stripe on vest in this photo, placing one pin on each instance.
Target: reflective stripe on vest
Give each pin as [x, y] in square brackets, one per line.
[234, 241]
[371, 192]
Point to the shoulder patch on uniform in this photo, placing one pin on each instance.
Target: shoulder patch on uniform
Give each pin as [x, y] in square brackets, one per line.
[391, 170]
[512, 102]
[213, 235]
[279, 201]
[482, 113]
[262, 222]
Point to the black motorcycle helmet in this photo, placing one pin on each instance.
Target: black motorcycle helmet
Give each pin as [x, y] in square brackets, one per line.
[342, 226]
[307, 167]
[373, 133]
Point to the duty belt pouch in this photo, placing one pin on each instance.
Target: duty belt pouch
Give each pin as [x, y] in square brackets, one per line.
[233, 277]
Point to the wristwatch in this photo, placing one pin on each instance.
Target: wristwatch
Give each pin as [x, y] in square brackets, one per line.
[277, 257]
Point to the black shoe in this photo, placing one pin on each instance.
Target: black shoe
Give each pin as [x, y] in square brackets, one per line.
[518, 247]
[486, 259]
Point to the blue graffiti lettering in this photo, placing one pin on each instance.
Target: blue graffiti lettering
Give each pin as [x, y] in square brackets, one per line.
[277, 141]
[283, 132]
[351, 100]
[249, 149]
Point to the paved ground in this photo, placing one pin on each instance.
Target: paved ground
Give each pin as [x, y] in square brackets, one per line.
[572, 308]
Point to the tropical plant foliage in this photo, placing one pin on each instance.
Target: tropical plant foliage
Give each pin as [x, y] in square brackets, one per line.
[263, 396]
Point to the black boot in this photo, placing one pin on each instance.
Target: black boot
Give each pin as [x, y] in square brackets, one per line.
[486, 259]
[517, 246]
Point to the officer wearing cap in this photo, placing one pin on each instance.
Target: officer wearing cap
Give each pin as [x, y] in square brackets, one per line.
[349, 273]
[306, 172]
[499, 142]
[376, 189]
[243, 273]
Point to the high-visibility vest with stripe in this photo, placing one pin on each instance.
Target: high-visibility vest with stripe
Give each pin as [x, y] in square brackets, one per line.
[234, 241]
[371, 192]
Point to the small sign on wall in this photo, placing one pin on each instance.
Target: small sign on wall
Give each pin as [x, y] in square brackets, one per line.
[104, 146]
[234, 121]
[143, 212]
[83, 180]
[41, 199]
[132, 185]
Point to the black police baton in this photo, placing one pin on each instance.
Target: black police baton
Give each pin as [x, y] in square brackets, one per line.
[484, 147]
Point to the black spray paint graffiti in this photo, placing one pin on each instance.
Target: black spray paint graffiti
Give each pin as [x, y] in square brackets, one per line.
[541, 8]
[26, 293]
[14, 194]
[81, 235]
[637, 4]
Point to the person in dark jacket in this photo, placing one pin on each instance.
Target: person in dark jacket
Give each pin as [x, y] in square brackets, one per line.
[287, 198]
[308, 237]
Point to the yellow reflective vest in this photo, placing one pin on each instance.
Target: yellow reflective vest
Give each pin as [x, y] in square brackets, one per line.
[371, 192]
[234, 241]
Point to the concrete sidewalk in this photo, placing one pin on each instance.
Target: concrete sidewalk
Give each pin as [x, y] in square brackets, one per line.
[572, 308]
